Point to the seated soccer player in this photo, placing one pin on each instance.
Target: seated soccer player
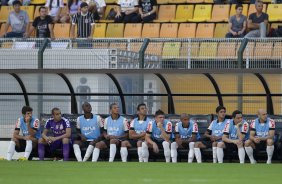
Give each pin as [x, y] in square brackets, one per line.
[138, 127]
[214, 133]
[29, 127]
[115, 133]
[89, 128]
[261, 134]
[234, 135]
[185, 136]
[60, 138]
[158, 135]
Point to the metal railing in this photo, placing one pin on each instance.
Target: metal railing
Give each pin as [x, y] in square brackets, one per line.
[152, 53]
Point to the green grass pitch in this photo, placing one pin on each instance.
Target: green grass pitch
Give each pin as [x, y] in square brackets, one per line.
[49, 172]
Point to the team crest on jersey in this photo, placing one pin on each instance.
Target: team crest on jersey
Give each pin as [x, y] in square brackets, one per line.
[61, 127]
[86, 21]
[21, 17]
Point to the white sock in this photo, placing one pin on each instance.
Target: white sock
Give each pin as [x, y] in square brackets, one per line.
[214, 154]
[139, 151]
[166, 151]
[113, 150]
[219, 154]
[241, 155]
[249, 151]
[11, 150]
[269, 150]
[174, 147]
[123, 154]
[88, 153]
[145, 152]
[191, 152]
[28, 148]
[198, 155]
[95, 155]
[77, 152]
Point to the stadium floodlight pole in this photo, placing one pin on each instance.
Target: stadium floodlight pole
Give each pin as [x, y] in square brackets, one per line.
[241, 51]
[142, 52]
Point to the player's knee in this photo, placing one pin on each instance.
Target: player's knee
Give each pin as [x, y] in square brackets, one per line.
[124, 144]
[14, 139]
[113, 141]
[220, 145]
[66, 140]
[247, 143]
[196, 145]
[77, 142]
[269, 142]
[98, 145]
[41, 141]
[214, 144]
[240, 145]
[139, 143]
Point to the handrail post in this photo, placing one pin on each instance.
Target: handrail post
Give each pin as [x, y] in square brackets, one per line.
[142, 52]
[41, 51]
[241, 51]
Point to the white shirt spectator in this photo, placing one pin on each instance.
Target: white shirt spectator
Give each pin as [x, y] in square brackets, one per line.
[56, 4]
[99, 3]
[127, 4]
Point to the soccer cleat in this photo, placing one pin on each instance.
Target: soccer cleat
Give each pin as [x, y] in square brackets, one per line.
[268, 162]
[22, 159]
[253, 161]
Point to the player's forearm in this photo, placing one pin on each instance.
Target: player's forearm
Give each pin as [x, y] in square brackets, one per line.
[18, 136]
[149, 140]
[165, 136]
[134, 135]
[226, 139]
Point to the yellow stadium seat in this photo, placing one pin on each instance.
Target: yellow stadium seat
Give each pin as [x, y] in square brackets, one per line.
[263, 50]
[100, 30]
[187, 30]
[4, 13]
[205, 30]
[151, 30]
[169, 30]
[220, 13]
[209, 1]
[62, 30]
[36, 12]
[227, 50]
[3, 28]
[177, 1]
[30, 11]
[155, 48]
[37, 2]
[133, 31]
[252, 9]
[189, 49]
[183, 13]
[220, 30]
[107, 11]
[202, 13]
[110, 1]
[208, 50]
[233, 10]
[162, 1]
[195, 1]
[171, 50]
[166, 13]
[115, 30]
[275, 25]
[277, 50]
[274, 12]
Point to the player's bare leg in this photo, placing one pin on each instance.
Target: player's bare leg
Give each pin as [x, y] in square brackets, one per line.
[11, 148]
[77, 151]
[219, 152]
[145, 151]
[191, 152]
[41, 148]
[241, 152]
[139, 151]
[214, 152]
[113, 149]
[89, 151]
[197, 147]
[166, 146]
[174, 147]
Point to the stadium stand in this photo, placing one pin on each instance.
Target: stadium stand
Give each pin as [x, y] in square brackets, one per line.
[100, 30]
[220, 30]
[30, 11]
[202, 13]
[62, 30]
[133, 31]
[166, 13]
[252, 9]
[169, 30]
[205, 30]
[183, 13]
[107, 11]
[227, 49]
[176, 1]
[274, 12]
[220, 13]
[37, 2]
[115, 30]
[187, 30]
[4, 13]
[263, 50]
[151, 30]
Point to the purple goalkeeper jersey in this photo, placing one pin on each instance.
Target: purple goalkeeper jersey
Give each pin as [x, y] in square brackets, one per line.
[57, 128]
